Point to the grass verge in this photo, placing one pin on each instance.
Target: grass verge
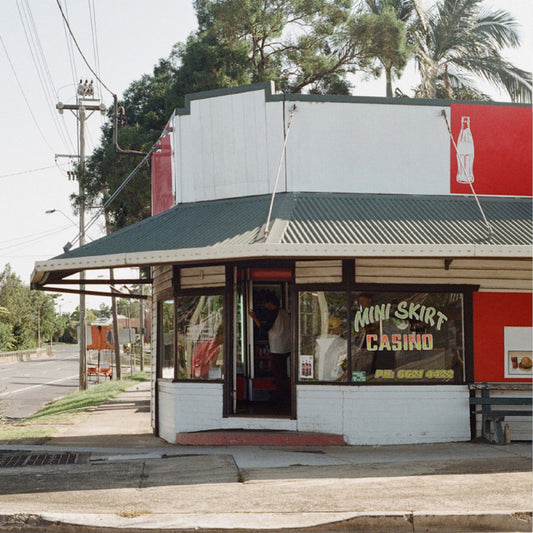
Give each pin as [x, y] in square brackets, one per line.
[67, 410]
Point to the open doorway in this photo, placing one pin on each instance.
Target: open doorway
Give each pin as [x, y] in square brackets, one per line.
[262, 364]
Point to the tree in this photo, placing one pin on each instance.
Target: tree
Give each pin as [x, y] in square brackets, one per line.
[28, 315]
[7, 339]
[457, 40]
[299, 44]
[386, 31]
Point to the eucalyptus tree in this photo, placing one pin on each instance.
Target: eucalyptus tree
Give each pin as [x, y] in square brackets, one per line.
[456, 41]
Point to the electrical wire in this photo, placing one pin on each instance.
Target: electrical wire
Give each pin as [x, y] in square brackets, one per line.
[24, 96]
[21, 241]
[92, 16]
[72, 59]
[26, 171]
[79, 50]
[117, 192]
[39, 58]
[41, 67]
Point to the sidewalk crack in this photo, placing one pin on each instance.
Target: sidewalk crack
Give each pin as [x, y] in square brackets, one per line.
[143, 475]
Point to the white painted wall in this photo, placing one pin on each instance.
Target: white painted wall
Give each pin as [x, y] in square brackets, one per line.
[230, 146]
[186, 407]
[368, 148]
[386, 415]
[364, 415]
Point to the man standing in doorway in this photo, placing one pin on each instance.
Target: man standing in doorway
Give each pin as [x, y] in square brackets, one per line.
[279, 339]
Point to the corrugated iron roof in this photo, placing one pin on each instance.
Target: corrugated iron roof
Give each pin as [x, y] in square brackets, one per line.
[324, 218]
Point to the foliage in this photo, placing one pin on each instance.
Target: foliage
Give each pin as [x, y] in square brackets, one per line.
[386, 32]
[457, 40]
[7, 339]
[28, 316]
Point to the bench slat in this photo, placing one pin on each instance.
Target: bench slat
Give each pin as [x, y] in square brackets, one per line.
[496, 400]
[504, 413]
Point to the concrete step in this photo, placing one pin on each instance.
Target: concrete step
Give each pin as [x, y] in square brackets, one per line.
[258, 438]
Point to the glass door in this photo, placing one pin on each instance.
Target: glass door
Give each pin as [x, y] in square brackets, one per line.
[256, 389]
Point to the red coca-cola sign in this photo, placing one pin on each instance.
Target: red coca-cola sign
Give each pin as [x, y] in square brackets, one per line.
[496, 141]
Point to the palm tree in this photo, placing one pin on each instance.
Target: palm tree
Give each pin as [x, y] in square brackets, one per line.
[457, 40]
[388, 21]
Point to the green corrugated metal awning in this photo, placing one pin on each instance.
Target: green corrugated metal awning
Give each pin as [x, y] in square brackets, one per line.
[310, 225]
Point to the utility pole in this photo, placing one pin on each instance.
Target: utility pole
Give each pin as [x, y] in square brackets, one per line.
[84, 94]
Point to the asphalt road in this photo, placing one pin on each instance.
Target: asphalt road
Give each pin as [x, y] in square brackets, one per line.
[27, 386]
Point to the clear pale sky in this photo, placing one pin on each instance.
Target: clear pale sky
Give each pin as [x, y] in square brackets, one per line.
[131, 36]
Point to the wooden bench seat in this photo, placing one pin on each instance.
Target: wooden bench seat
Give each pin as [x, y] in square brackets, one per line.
[492, 418]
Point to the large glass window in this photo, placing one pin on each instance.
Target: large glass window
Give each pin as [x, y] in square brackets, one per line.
[407, 337]
[323, 334]
[166, 341]
[200, 330]
[396, 337]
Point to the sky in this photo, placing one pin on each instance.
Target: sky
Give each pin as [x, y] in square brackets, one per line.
[40, 66]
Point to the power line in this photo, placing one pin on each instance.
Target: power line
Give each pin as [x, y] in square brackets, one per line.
[79, 50]
[24, 96]
[26, 172]
[92, 16]
[33, 239]
[71, 57]
[41, 66]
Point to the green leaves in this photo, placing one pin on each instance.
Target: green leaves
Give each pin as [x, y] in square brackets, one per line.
[456, 39]
[24, 314]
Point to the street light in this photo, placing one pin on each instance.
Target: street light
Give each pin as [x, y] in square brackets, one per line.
[50, 211]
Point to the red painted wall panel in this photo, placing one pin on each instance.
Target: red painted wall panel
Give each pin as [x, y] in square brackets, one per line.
[502, 149]
[162, 195]
[492, 312]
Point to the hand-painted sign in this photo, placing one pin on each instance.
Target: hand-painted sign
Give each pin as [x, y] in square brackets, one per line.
[402, 311]
[502, 138]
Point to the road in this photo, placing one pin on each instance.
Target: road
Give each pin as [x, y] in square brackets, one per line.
[26, 386]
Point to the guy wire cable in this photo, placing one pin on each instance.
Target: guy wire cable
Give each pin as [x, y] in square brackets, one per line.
[489, 227]
[289, 123]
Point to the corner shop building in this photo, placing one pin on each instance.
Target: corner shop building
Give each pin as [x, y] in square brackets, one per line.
[400, 294]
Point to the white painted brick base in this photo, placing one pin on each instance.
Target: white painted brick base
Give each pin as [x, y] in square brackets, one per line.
[364, 415]
[386, 415]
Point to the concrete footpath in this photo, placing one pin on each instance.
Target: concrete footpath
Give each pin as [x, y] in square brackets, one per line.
[126, 480]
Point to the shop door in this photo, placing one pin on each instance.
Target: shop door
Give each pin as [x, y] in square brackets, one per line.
[257, 391]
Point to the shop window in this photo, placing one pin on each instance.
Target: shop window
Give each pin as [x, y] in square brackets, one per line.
[166, 343]
[396, 337]
[407, 337]
[323, 334]
[200, 335]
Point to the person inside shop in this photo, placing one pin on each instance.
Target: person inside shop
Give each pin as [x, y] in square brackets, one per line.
[278, 326]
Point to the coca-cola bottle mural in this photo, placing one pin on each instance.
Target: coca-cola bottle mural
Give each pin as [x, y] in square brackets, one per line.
[465, 153]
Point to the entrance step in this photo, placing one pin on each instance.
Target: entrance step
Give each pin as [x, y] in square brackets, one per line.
[258, 438]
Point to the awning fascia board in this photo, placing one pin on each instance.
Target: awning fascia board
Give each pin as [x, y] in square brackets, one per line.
[265, 250]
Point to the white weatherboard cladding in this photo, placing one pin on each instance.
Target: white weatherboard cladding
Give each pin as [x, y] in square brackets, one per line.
[386, 415]
[228, 146]
[368, 148]
[494, 275]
